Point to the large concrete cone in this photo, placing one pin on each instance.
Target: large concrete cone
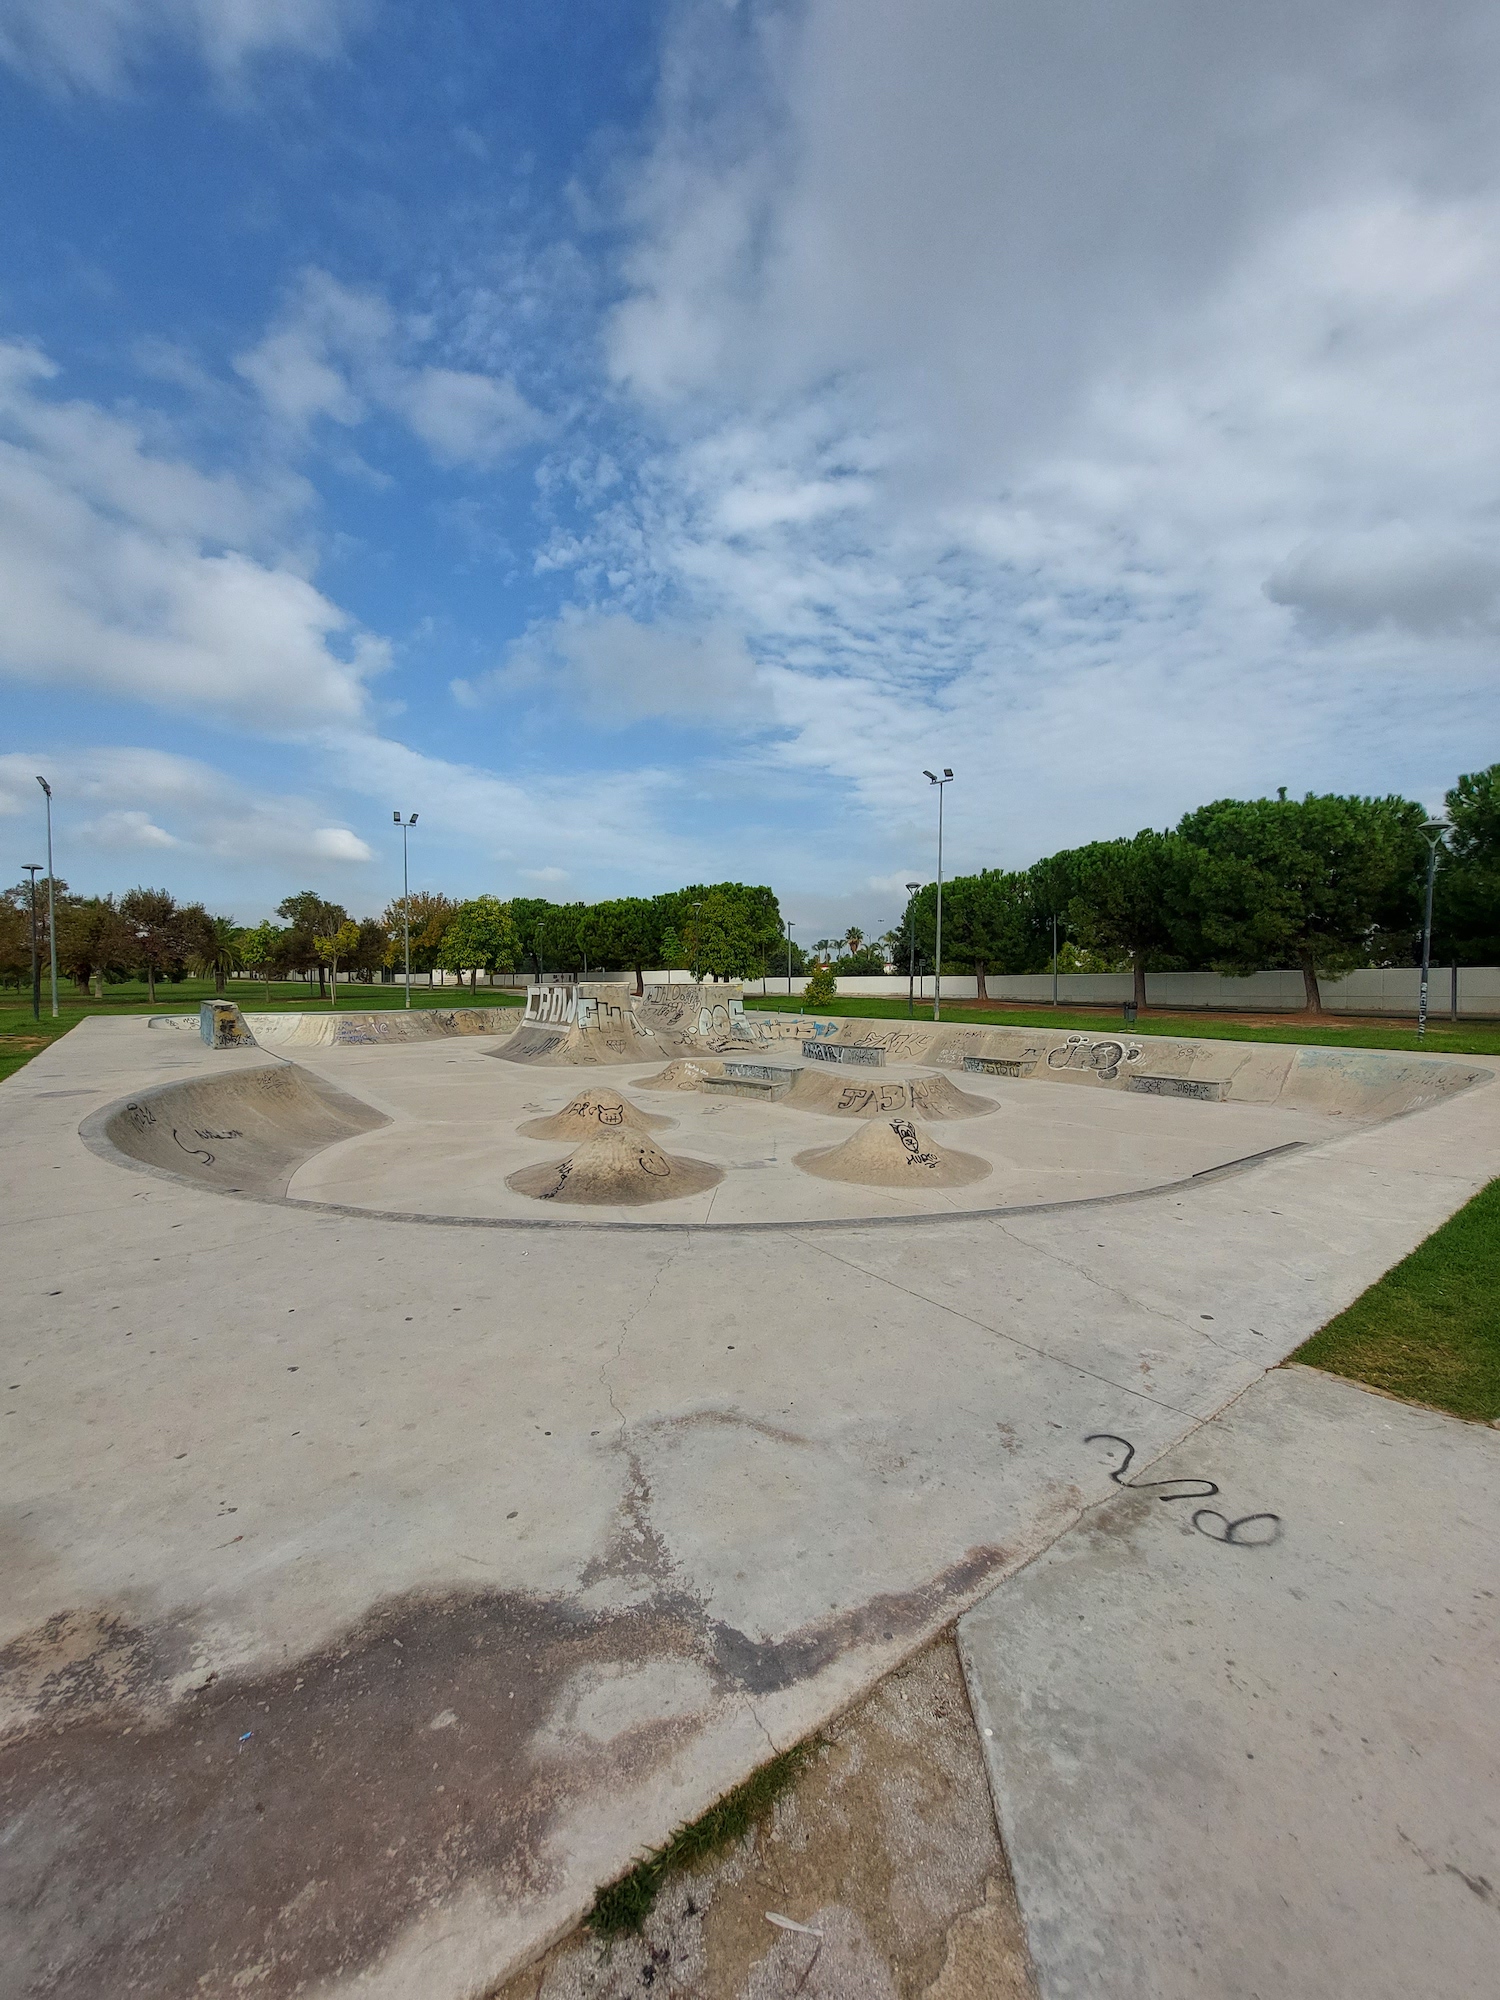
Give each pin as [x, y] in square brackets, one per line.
[616, 1168]
[592, 1111]
[892, 1152]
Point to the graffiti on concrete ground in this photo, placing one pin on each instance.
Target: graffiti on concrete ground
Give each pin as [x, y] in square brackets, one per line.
[1102, 1058]
[911, 1144]
[1249, 1531]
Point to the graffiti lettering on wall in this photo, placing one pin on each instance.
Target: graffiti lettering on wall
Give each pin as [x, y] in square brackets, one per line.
[1102, 1058]
[1021, 1065]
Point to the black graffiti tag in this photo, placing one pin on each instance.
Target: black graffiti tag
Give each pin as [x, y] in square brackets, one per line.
[1263, 1528]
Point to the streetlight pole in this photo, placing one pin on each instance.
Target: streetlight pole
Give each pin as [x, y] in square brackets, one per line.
[405, 825]
[937, 956]
[33, 869]
[51, 899]
[911, 949]
[697, 940]
[1434, 829]
[788, 922]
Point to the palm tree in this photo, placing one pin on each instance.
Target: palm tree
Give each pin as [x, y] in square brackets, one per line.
[854, 939]
[218, 951]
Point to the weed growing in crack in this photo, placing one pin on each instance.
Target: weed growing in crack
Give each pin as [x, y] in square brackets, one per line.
[624, 1905]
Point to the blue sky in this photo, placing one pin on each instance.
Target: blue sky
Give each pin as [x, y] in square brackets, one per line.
[640, 437]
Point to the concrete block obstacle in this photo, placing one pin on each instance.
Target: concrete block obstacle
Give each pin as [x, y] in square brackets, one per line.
[1240, 1721]
[223, 1026]
[868, 1054]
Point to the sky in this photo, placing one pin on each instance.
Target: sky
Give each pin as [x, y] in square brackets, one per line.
[640, 437]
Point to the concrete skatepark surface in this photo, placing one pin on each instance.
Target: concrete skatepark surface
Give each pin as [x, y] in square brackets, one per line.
[1265, 1766]
[373, 1591]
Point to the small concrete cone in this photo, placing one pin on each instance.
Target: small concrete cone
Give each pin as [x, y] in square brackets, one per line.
[893, 1152]
[616, 1169]
[591, 1111]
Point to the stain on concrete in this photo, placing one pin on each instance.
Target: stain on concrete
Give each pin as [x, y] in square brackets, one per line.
[278, 1828]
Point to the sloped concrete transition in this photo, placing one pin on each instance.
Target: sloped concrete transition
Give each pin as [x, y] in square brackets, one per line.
[382, 1569]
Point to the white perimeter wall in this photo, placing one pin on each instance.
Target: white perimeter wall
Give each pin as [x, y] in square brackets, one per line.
[1392, 991]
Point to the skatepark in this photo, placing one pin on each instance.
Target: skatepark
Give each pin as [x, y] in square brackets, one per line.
[445, 1453]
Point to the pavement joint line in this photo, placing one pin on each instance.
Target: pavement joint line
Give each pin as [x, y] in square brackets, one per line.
[996, 1333]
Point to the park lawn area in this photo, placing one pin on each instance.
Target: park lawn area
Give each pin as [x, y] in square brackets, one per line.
[1475, 1040]
[1429, 1330]
[21, 1038]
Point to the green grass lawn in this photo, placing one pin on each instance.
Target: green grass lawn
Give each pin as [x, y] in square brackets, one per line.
[1430, 1329]
[1474, 1040]
[21, 1038]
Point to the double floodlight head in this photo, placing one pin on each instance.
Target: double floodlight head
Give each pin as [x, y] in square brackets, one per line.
[947, 774]
[411, 820]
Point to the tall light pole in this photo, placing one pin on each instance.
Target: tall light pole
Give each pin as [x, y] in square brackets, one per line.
[788, 922]
[33, 869]
[911, 949]
[937, 956]
[406, 826]
[1434, 829]
[51, 898]
[697, 940]
[1054, 958]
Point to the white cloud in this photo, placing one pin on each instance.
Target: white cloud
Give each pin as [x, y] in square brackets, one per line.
[120, 808]
[132, 574]
[97, 44]
[614, 670]
[1105, 416]
[340, 353]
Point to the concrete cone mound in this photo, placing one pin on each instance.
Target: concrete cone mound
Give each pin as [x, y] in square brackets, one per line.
[617, 1168]
[591, 1111]
[917, 1097]
[893, 1152]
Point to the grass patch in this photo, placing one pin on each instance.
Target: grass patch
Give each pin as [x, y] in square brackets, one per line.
[625, 1905]
[1429, 1330]
[1440, 1040]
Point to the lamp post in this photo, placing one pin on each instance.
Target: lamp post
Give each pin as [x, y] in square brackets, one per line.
[697, 940]
[406, 826]
[911, 949]
[937, 955]
[788, 922]
[1054, 958]
[33, 869]
[1434, 829]
[51, 899]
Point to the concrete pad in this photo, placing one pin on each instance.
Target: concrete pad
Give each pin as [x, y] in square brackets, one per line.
[631, 1508]
[1242, 1741]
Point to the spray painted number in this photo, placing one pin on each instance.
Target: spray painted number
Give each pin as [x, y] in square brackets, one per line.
[1250, 1531]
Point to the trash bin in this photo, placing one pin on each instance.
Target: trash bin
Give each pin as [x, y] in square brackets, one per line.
[1130, 1011]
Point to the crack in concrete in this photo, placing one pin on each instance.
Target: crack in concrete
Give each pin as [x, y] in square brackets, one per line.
[997, 1332]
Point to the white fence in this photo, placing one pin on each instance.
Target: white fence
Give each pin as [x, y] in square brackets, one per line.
[1475, 988]
[1473, 992]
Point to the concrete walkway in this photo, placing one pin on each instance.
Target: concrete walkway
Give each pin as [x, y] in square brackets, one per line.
[371, 1591]
[1259, 1758]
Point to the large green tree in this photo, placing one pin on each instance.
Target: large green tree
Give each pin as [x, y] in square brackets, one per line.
[308, 916]
[1125, 900]
[625, 932]
[1305, 882]
[730, 929]
[480, 938]
[987, 924]
[1467, 903]
[158, 941]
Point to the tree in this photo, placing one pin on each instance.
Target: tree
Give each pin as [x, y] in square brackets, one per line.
[260, 949]
[153, 924]
[1467, 905]
[429, 914]
[308, 916]
[527, 914]
[93, 941]
[1303, 882]
[729, 929]
[480, 938]
[217, 951]
[987, 923]
[625, 932]
[1125, 898]
[822, 988]
[373, 949]
[334, 947]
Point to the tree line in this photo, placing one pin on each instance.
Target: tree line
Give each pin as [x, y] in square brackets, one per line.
[1320, 884]
[727, 930]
